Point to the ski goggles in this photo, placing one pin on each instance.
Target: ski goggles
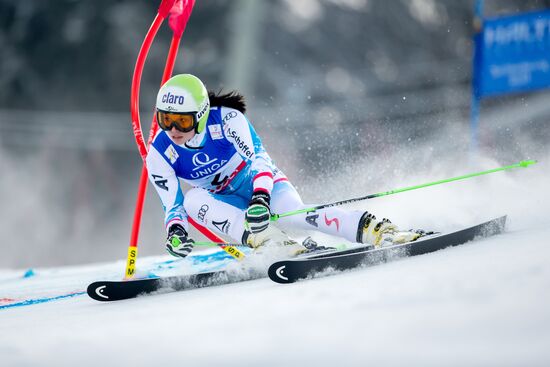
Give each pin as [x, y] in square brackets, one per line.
[184, 122]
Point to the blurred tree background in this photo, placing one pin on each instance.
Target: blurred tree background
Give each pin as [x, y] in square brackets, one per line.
[329, 83]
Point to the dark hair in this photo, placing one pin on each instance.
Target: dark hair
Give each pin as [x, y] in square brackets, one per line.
[232, 100]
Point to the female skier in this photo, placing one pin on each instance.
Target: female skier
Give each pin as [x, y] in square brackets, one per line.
[206, 140]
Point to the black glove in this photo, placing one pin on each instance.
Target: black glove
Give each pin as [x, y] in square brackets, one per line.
[177, 243]
[258, 214]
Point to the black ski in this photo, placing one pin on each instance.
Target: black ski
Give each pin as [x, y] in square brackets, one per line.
[124, 289]
[291, 270]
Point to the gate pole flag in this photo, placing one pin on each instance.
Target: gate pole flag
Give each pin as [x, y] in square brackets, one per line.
[511, 55]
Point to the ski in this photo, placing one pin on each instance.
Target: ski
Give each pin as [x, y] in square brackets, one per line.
[113, 290]
[292, 270]
[117, 290]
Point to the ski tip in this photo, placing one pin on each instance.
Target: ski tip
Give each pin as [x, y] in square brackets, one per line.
[96, 291]
[277, 273]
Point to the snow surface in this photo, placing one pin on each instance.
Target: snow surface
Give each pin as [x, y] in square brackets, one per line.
[485, 303]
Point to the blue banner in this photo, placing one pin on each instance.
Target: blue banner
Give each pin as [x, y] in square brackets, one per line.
[514, 54]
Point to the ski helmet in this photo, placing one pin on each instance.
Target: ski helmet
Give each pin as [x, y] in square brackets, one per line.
[185, 94]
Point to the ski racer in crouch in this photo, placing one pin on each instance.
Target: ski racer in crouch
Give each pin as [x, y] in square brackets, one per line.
[206, 140]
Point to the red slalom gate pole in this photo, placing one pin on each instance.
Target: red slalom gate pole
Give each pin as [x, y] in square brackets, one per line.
[136, 82]
[180, 13]
[142, 148]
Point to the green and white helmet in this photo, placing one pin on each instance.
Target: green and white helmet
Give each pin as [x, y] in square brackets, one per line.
[185, 93]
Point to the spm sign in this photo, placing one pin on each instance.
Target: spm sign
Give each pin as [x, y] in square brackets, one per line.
[514, 54]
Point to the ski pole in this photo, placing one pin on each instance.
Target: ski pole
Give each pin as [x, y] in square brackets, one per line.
[220, 244]
[230, 248]
[522, 164]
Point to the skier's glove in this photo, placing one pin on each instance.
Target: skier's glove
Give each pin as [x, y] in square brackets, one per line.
[177, 243]
[257, 215]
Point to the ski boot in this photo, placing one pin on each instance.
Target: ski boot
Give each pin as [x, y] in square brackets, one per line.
[384, 233]
[313, 247]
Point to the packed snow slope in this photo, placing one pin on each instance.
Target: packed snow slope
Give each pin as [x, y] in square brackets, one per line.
[484, 303]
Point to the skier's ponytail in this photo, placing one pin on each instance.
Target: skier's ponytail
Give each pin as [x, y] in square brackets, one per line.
[232, 100]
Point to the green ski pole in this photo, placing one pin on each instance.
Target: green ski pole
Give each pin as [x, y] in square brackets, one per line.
[522, 164]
